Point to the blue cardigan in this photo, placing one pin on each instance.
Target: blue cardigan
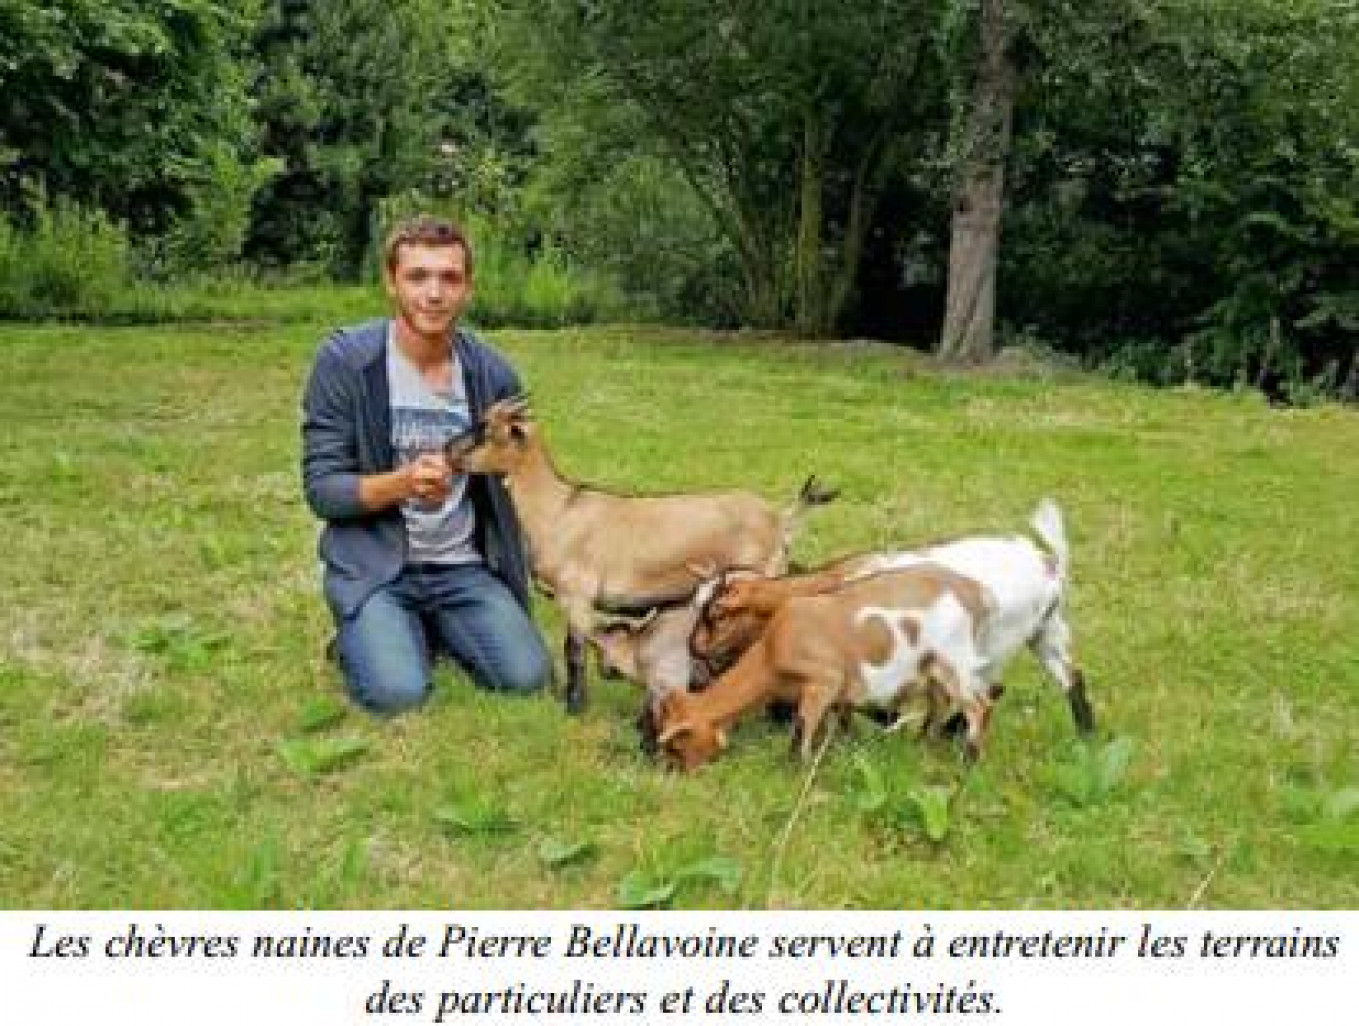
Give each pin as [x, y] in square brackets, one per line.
[346, 433]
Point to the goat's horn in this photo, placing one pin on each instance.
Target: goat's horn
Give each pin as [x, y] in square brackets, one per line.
[703, 569]
[631, 624]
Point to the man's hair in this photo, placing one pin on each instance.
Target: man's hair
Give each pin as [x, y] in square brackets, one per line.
[424, 230]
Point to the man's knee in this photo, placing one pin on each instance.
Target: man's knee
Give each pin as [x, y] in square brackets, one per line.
[529, 670]
[381, 683]
[389, 695]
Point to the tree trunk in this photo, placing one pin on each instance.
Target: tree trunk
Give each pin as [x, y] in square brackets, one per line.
[979, 196]
[810, 316]
[863, 200]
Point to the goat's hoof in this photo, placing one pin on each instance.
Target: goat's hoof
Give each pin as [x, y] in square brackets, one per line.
[955, 726]
[782, 712]
[648, 735]
[887, 719]
[575, 703]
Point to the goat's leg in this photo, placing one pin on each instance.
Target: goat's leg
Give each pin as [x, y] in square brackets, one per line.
[579, 623]
[811, 715]
[977, 712]
[939, 714]
[844, 713]
[575, 649]
[1052, 646]
[967, 691]
[649, 726]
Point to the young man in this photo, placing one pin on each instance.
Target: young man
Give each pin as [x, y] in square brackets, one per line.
[416, 559]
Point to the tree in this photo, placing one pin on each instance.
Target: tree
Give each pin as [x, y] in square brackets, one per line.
[783, 118]
[1183, 188]
[140, 110]
[351, 99]
[979, 192]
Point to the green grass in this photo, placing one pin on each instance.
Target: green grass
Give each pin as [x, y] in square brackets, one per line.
[170, 735]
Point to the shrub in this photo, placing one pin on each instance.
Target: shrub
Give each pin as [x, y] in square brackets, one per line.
[522, 278]
[71, 263]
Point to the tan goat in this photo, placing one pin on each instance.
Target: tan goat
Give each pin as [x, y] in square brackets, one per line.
[598, 551]
[871, 643]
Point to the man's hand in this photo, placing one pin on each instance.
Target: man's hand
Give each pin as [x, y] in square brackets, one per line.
[426, 479]
[429, 478]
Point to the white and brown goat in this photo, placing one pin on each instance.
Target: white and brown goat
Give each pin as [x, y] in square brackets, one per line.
[1022, 581]
[874, 642]
[594, 550]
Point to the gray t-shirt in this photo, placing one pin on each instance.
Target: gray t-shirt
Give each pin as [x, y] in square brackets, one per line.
[423, 420]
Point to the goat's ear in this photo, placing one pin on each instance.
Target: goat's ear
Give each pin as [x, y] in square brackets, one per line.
[676, 731]
[516, 406]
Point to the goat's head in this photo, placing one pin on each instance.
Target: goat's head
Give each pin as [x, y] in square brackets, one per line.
[730, 620]
[496, 443]
[686, 741]
[619, 642]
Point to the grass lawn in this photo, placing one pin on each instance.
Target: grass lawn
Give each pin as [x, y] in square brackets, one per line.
[170, 735]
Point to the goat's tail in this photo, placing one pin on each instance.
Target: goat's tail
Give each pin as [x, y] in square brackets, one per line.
[813, 493]
[1047, 522]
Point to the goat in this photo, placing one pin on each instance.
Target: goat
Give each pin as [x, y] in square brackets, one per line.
[654, 652]
[658, 649]
[873, 642]
[1024, 580]
[731, 608]
[594, 550]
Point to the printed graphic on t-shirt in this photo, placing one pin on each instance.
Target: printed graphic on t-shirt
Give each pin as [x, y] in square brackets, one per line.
[422, 422]
[417, 432]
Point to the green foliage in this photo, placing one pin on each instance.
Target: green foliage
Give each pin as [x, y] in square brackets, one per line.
[533, 285]
[1328, 820]
[71, 263]
[931, 806]
[361, 102]
[321, 713]
[126, 107]
[1181, 188]
[212, 234]
[477, 815]
[636, 219]
[1091, 772]
[870, 795]
[927, 808]
[1186, 193]
[184, 645]
[558, 854]
[639, 889]
[658, 887]
[783, 120]
[316, 756]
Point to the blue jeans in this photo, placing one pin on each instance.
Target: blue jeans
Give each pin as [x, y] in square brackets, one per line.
[385, 649]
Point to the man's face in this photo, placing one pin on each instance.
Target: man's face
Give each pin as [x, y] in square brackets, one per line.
[430, 287]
